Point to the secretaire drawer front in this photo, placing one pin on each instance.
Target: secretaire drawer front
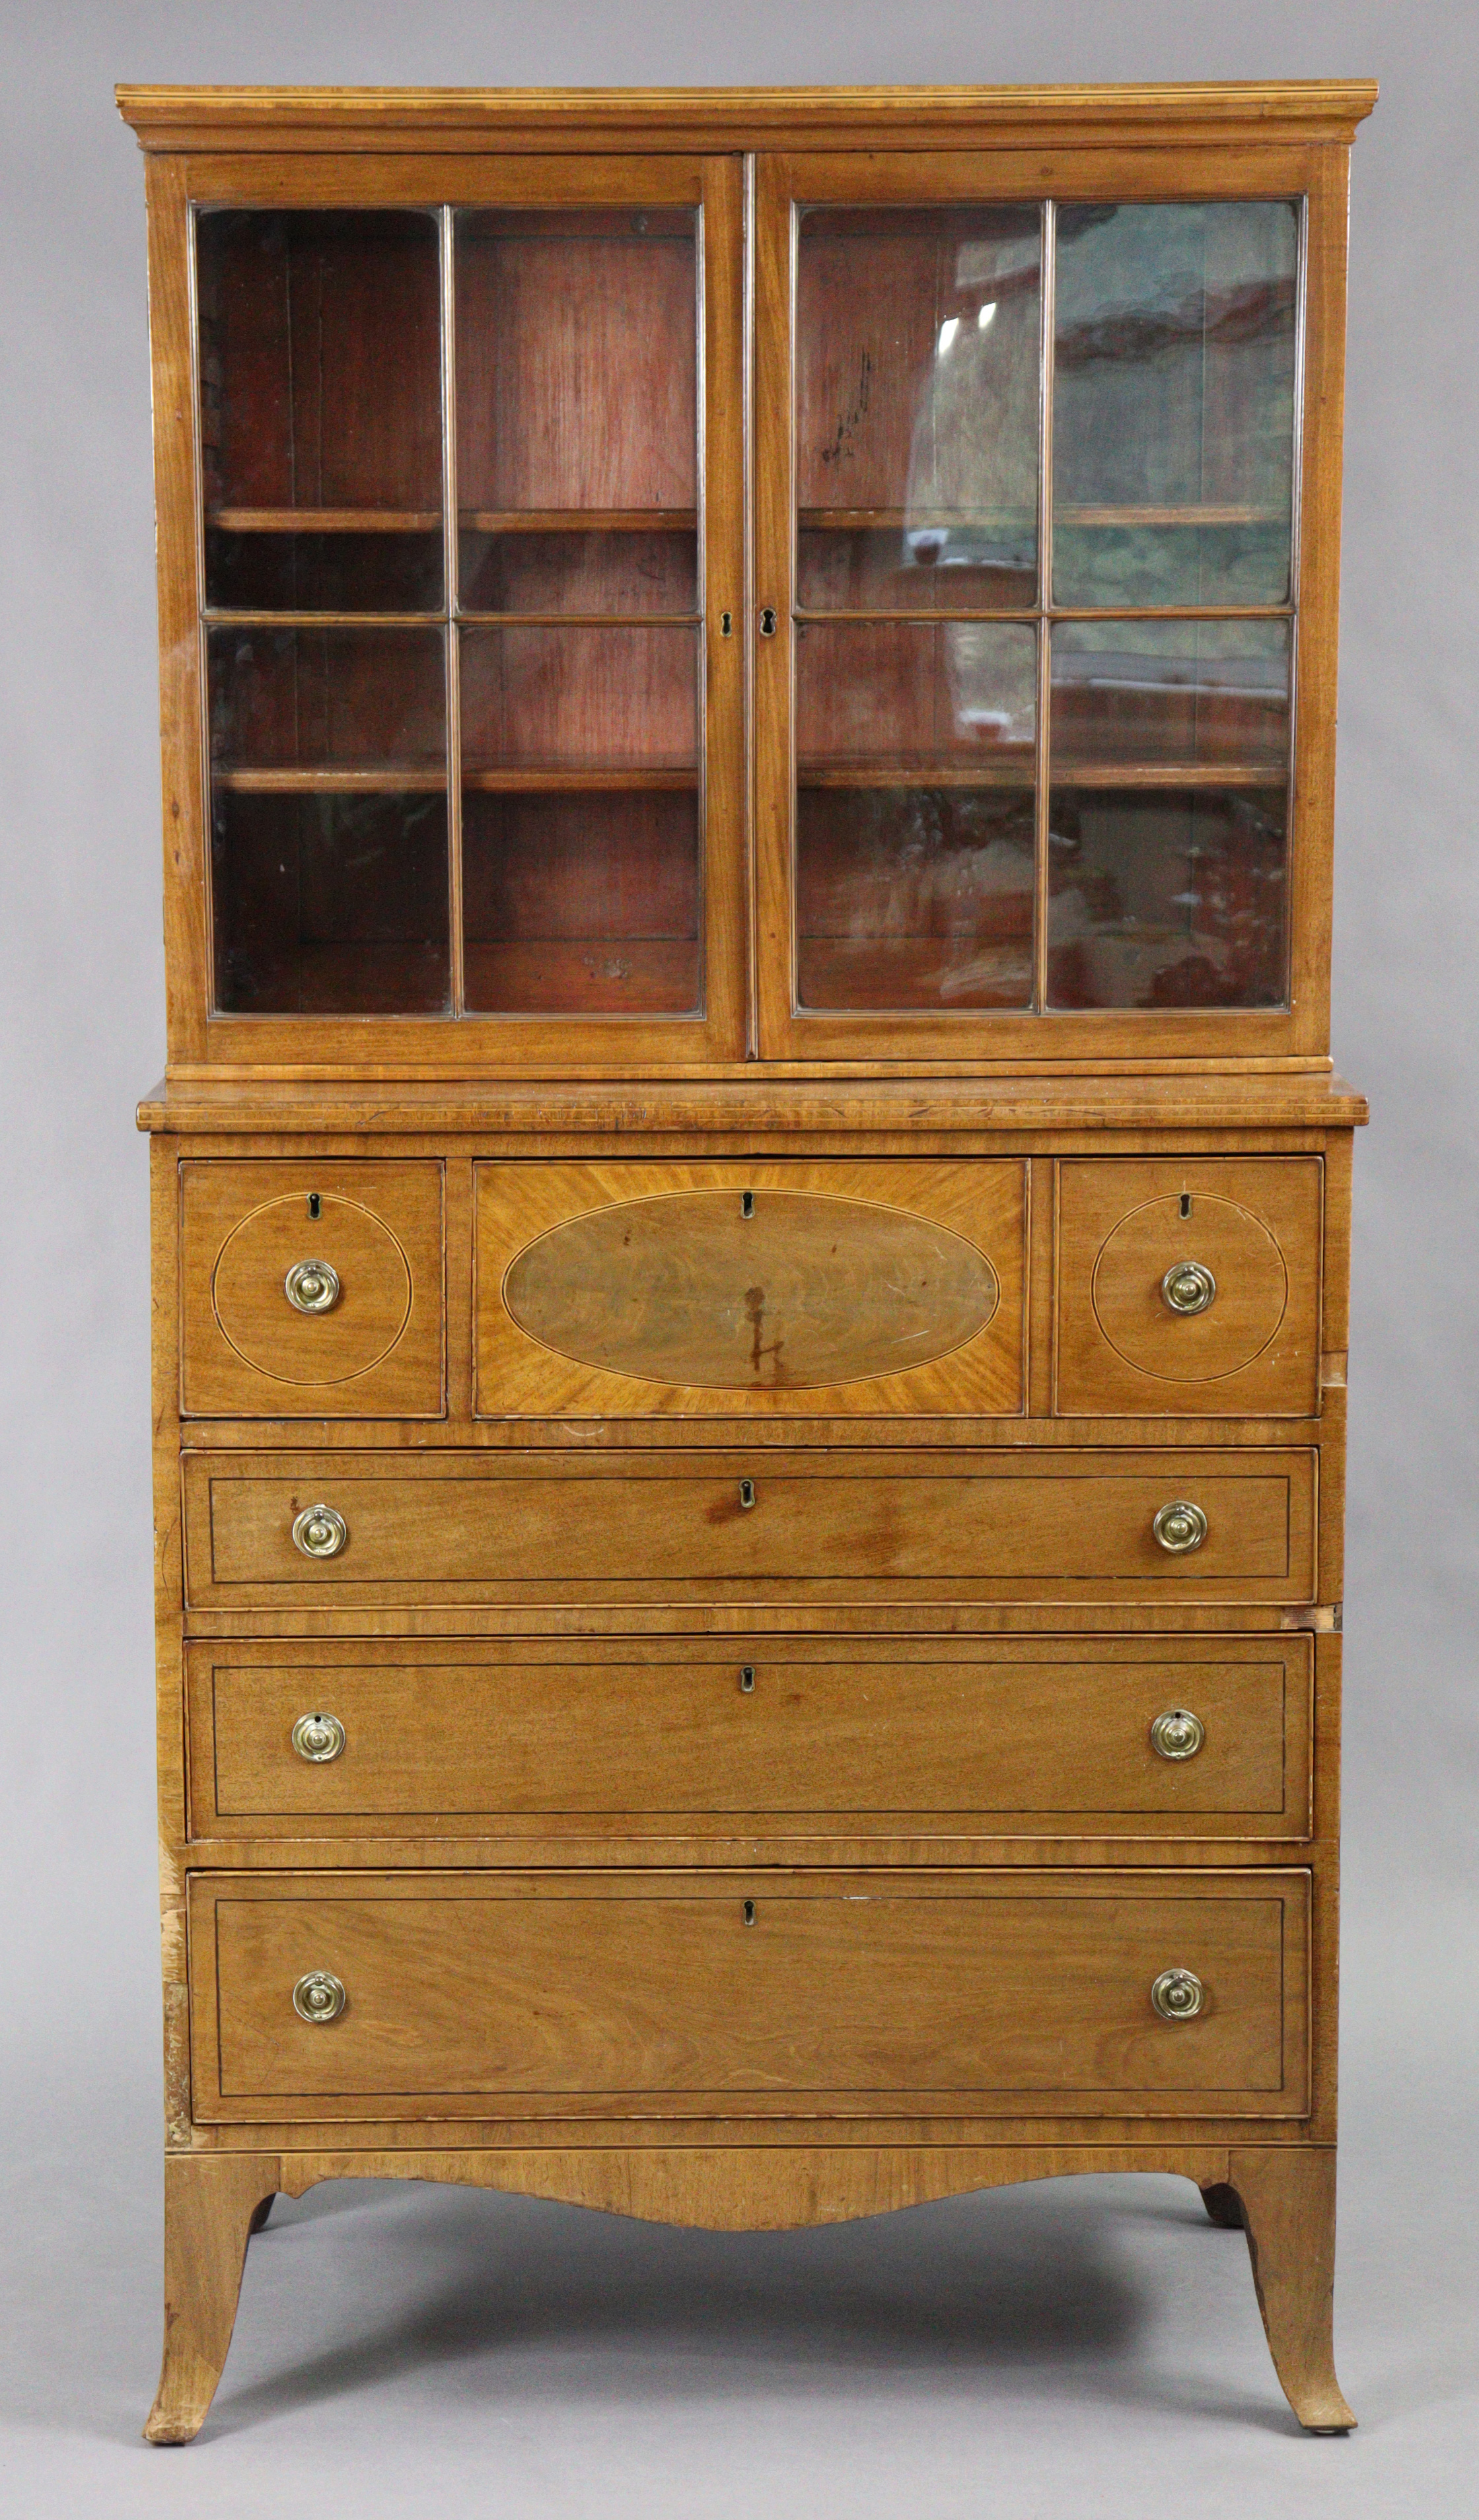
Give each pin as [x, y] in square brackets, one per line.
[281, 1529]
[685, 1994]
[311, 1289]
[1189, 1286]
[662, 1737]
[870, 1289]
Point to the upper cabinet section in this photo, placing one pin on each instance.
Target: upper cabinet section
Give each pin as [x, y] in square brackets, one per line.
[465, 747]
[1030, 491]
[634, 595]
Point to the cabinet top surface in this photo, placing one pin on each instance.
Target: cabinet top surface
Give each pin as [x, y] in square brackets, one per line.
[175, 117]
[972, 1106]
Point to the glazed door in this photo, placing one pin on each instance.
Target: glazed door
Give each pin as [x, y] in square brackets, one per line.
[472, 569]
[1027, 487]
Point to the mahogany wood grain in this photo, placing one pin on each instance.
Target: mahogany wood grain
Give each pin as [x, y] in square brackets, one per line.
[1255, 1224]
[542, 1527]
[745, 1994]
[764, 1321]
[1288, 2207]
[1192, 114]
[557, 1795]
[246, 1351]
[819, 1737]
[210, 2208]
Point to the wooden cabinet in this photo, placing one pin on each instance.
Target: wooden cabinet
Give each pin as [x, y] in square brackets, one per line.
[751, 1218]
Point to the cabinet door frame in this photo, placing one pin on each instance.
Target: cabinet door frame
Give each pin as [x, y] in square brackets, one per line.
[311, 1045]
[1297, 1034]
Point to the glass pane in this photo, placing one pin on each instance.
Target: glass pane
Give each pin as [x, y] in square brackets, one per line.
[581, 820]
[328, 821]
[321, 410]
[914, 813]
[1169, 814]
[1174, 403]
[578, 411]
[917, 356]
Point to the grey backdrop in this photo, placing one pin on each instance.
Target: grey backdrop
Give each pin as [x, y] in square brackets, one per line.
[1086, 2348]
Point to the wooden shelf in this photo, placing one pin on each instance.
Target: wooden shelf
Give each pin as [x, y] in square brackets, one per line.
[860, 521]
[324, 521]
[631, 975]
[1067, 514]
[387, 778]
[237, 617]
[907, 975]
[575, 777]
[532, 621]
[1017, 772]
[1169, 774]
[579, 521]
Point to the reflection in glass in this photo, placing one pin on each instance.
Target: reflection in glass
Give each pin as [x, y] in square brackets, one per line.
[313, 701]
[330, 902]
[1169, 814]
[914, 813]
[321, 409]
[917, 355]
[329, 824]
[1173, 402]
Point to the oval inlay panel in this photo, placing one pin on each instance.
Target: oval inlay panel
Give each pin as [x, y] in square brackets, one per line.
[802, 1291]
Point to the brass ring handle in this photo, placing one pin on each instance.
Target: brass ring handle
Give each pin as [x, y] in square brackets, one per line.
[1178, 1994]
[318, 1737]
[1188, 1286]
[319, 1531]
[311, 1287]
[1178, 1733]
[1179, 1527]
[319, 1997]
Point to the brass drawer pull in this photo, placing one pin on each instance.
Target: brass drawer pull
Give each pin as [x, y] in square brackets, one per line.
[319, 1532]
[319, 1997]
[311, 1287]
[1188, 1286]
[320, 1737]
[1179, 1527]
[1178, 1994]
[1178, 1734]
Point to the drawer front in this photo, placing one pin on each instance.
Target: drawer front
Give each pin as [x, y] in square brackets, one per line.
[311, 1289]
[696, 1738]
[1189, 1288]
[749, 1289]
[534, 1527]
[748, 1994]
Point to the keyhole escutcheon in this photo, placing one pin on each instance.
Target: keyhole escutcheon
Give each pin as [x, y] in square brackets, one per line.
[767, 621]
[747, 1495]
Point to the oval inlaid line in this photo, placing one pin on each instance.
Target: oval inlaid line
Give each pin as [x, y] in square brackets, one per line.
[803, 1292]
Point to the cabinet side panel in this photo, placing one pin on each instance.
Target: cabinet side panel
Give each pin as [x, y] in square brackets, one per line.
[186, 962]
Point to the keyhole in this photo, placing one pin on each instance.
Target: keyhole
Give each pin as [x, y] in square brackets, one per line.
[1185, 1202]
[315, 1205]
[767, 621]
[749, 1911]
[747, 1202]
[726, 625]
[747, 1494]
[747, 1677]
